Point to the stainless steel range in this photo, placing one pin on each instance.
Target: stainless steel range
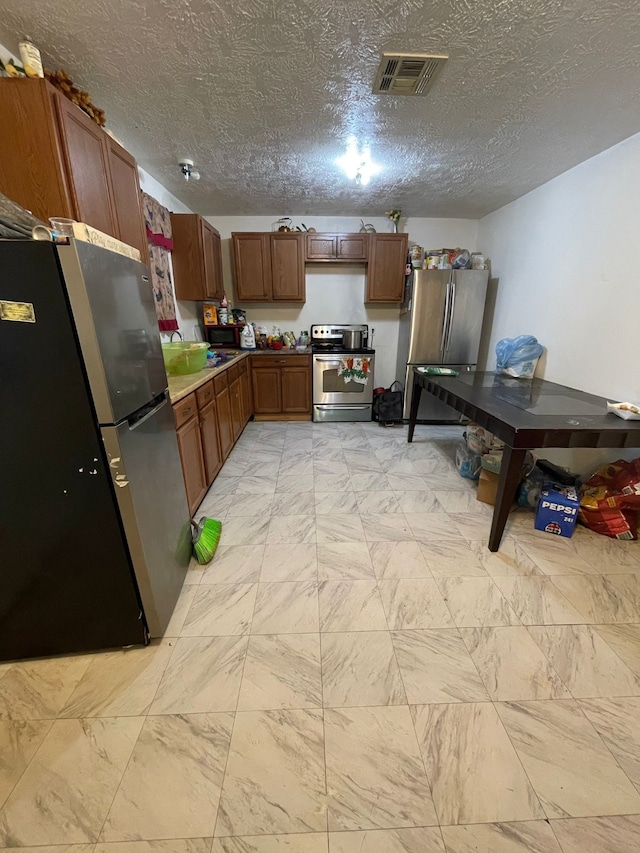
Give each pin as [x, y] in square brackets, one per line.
[342, 376]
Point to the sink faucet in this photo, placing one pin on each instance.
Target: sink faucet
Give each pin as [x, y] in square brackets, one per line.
[176, 332]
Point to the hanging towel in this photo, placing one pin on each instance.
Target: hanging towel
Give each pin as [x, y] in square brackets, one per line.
[159, 237]
[358, 369]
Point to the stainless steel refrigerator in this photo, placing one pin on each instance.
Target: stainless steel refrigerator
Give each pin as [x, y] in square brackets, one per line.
[440, 325]
[93, 510]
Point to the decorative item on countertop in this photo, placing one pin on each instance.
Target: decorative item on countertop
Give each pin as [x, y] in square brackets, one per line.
[31, 59]
[61, 80]
[282, 224]
[366, 227]
[393, 216]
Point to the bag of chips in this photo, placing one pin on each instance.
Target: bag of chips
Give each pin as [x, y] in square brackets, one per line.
[610, 500]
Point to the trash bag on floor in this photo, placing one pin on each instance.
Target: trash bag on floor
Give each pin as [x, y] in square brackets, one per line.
[467, 462]
[610, 500]
[518, 356]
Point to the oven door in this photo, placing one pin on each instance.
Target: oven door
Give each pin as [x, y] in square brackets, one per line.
[329, 387]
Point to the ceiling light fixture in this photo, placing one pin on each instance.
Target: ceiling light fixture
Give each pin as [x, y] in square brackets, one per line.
[357, 164]
[188, 172]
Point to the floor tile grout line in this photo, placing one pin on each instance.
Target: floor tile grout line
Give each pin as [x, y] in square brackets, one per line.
[52, 721]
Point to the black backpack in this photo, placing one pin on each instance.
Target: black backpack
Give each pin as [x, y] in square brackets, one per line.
[388, 405]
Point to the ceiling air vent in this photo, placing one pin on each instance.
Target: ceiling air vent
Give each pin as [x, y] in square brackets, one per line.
[407, 73]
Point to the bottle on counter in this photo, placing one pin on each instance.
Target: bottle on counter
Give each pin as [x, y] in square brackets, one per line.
[31, 59]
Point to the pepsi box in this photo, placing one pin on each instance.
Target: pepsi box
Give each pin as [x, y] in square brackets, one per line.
[557, 509]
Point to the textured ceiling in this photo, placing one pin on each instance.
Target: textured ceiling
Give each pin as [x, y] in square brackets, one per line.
[263, 95]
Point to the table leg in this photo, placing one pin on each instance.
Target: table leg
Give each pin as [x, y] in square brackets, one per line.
[510, 476]
[415, 403]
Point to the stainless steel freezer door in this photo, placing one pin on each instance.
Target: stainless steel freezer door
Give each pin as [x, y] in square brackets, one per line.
[115, 316]
[431, 409]
[146, 471]
[468, 291]
[427, 317]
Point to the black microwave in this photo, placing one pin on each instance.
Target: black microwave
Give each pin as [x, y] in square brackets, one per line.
[224, 336]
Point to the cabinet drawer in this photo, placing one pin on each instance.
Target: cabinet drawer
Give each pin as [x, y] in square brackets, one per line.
[185, 410]
[205, 395]
[220, 382]
[233, 373]
[282, 361]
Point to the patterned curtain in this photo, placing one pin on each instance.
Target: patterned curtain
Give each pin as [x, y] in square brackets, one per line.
[158, 224]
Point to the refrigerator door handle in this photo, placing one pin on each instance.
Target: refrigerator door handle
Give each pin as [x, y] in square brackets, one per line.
[452, 305]
[148, 412]
[445, 321]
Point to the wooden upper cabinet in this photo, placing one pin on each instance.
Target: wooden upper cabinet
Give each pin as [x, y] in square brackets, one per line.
[321, 247]
[337, 247]
[32, 168]
[287, 267]
[252, 256]
[196, 257]
[56, 161]
[88, 168]
[352, 247]
[127, 202]
[387, 262]
[212, 251]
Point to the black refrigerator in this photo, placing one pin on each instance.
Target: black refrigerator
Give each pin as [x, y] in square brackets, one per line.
[94, 540]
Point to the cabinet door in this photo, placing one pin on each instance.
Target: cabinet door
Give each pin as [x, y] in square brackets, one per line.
[87, 158]
[235, 395]
[245, 396]
[252, 256]
[267, 391]
[352, 247]
[192, 460]
[296, 389]
[225, 425]
[321, 247]
[211, 250]
[126, 198]
[387, 261]
[210, 441]
[287, 267]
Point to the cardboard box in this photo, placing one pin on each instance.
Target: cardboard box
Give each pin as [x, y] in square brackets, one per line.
[88, 234]
[487, 487]
[557, 509]
[210, 315]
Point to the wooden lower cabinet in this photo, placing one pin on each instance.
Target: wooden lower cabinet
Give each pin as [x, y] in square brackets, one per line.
[281, 387]
[235, 397]
[267, 390]
[225, 422]
[296, 390]
[245, 393]
[210, 441]
[193, 467]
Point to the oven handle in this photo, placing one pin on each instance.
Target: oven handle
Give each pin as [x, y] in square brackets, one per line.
[327, 360]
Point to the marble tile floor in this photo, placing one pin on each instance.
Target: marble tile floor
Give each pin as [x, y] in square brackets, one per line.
[354, 673]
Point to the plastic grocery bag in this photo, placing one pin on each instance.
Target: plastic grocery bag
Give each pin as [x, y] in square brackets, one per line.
[467, 462]
[610, 500]
[518, 356]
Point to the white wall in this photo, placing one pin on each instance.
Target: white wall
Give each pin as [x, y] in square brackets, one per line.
[335, 294]
[565, 268]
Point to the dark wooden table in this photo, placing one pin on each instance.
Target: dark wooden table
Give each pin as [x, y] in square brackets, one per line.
[525, 414]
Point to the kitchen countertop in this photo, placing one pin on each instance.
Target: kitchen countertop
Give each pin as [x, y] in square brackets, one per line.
[181, 386]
